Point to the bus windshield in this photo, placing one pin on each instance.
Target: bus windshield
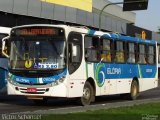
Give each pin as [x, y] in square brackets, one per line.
[38, 54]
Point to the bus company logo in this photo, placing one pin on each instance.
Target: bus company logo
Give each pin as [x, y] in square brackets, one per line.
[22, 80]
[49, 79]
[113, 71]
[100, 74]
[28, 64]
[46, 65]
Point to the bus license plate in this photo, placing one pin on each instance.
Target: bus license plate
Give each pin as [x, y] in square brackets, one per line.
[31, 89]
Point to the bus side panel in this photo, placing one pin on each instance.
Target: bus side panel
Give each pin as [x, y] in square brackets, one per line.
[90, 74]
[148, 77]
[76, 81]
[105, 90]
[113, 86]
[148, 83]
[123, 85]
[75, 88]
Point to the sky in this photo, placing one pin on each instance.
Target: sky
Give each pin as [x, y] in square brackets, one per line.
[150, 18]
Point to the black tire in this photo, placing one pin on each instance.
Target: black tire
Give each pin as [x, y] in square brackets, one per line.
[88, 94]
[134, 90]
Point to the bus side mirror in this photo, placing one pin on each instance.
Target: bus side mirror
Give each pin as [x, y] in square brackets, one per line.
[5, 46]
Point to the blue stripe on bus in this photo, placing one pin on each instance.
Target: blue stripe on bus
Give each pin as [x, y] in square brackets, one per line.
[104, 71]
[122, 37]
[45, 80]
[91, 32]
[130, 39]
[114, 71]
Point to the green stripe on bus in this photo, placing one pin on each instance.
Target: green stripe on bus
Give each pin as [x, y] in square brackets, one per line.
[140, 72]
[37, 80]
[86, 71]
[156, 74]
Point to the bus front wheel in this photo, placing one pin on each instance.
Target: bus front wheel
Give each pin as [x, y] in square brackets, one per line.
[88, 94]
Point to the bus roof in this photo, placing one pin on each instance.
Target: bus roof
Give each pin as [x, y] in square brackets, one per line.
[91, 32]
[133, 39]
[116, 36]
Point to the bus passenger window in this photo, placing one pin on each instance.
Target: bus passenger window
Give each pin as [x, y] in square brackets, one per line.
[142, 57]
[119, 56]
[151, 55]
[88, 42]
[91, 55]
[131, 53]
[105, 50]
[91, 48]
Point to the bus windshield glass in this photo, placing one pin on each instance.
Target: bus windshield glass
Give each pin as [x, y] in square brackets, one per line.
[37, 53]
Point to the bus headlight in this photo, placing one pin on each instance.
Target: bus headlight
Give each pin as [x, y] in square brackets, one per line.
[9, 79]
[62, 79]
[57, 82]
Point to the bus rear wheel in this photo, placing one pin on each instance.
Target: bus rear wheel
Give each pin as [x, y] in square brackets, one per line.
[134, 90]
[88, 94]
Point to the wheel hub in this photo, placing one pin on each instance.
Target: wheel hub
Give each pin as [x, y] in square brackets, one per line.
[86, 93]
[134, 93]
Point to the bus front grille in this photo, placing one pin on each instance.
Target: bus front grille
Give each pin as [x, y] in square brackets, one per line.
[36, 91]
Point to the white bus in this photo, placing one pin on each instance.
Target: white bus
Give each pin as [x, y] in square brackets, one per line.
[73, 62]
[4, 31]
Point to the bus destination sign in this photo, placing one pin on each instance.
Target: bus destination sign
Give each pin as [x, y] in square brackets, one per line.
[37, 31]
[33, 31]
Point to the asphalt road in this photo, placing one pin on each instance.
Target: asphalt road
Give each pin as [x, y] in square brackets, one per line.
[16, 104]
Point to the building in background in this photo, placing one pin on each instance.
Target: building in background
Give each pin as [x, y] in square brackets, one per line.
[77, 12]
